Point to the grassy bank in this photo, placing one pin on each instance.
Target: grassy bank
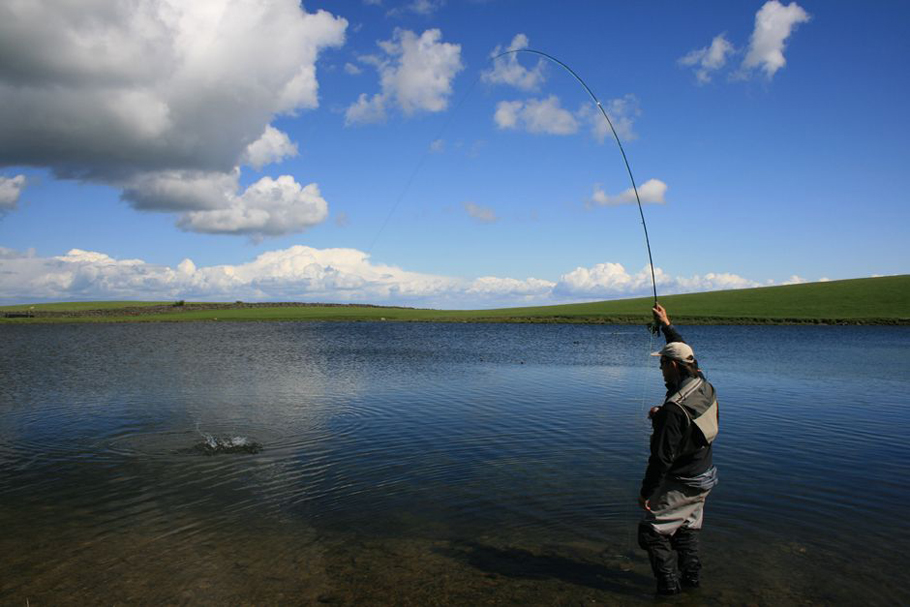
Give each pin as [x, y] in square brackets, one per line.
[883, 300]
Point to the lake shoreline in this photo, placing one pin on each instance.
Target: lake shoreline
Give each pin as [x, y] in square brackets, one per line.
[883, 301]
[243, 313]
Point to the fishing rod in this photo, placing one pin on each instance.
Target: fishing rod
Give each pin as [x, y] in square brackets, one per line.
[654, 326]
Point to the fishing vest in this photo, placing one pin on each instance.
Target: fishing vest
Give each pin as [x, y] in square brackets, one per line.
[698, 401]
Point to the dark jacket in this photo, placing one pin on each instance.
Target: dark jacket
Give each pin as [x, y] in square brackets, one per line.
[678, 448]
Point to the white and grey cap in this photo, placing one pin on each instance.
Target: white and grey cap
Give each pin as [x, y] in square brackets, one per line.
[678, 351]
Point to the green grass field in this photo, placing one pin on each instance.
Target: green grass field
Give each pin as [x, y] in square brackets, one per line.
[883, 300]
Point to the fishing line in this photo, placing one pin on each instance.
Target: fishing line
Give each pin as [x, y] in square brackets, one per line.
[426, 153]
[654, 327]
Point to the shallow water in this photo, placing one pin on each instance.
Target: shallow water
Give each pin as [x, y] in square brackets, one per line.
[437, 464]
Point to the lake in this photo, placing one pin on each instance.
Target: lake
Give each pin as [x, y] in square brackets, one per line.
[460, 464]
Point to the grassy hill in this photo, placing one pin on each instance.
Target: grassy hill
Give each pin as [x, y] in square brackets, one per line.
[883, 300]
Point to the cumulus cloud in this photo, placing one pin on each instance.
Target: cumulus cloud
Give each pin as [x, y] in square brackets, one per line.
[652, 191]
[416, 74]
[99, 89]
[510, 287]
[269, 207]
[424, 7]
[774, 23]
[10, 189]
[480, 213]
[302, 273]
[547, 116]
[607, 280]
[507, 69]
[622, 113]
[536, 116]
[295, 273]
[366, 110]
[705, 61]
[272, 146]
[213, 203]
[114, 91]
[352, 69]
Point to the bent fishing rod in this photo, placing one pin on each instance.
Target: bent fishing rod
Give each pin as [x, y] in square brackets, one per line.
[654, 326]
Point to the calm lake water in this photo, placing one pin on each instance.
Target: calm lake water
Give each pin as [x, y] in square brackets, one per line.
[462, 464]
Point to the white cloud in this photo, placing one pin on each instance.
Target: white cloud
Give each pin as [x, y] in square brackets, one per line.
[510, 287]
[652, 191]
[272, 146]
[506, 115]
[480, 213]
[104, 88]
[295, 273]
[416, 74]
[709, 282]
[774, 23]
[114, 91]
[352, 69]
[269, 207]
[549, 117]
[608, 280]
[507, 69]
[536, 116]
[622, 112]
[602, 280]
[212, 202]
[425, 7]
[706, 60]
[366, 110]
[10, 189]
[438, 146]
[795, 280]
[302, 273]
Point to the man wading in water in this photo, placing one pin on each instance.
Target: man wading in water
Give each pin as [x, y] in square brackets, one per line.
[680, 472]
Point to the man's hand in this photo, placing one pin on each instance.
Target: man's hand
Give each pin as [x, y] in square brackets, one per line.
[644, 504]
[652, 412]
[660, 315]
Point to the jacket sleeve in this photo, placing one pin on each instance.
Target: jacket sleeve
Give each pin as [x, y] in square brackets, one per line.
[665, 444]
[672, 334]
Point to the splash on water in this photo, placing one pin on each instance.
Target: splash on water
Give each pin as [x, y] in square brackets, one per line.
[215, 445]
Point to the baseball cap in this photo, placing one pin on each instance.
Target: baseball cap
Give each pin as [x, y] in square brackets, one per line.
[677, 350]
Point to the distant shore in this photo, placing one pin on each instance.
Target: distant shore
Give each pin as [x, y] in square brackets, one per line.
[866, 301]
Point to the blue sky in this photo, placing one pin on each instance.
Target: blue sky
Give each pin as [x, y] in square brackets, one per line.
[373, 151]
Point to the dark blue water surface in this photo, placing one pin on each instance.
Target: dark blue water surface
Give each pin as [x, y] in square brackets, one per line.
[392, 463]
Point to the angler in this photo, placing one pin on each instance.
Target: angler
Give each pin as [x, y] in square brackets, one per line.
[680, 472]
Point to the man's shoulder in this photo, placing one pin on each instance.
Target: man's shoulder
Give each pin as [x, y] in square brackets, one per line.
[669, 411]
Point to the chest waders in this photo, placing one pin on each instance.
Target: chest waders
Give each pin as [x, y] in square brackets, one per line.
[674, 556]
